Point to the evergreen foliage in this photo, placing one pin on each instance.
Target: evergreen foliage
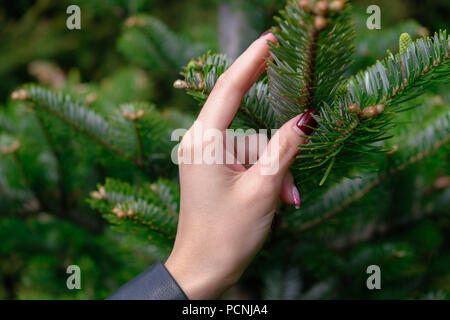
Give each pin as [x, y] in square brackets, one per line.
[374, 177]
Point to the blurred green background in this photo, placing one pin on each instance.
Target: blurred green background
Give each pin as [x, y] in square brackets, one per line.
[36, 46]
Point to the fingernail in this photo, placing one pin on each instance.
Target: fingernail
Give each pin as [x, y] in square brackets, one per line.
[306, 124]
[266, 32]
[296, 197]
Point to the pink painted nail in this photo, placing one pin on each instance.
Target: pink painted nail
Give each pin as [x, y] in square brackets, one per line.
[266, 32]
[296, 196]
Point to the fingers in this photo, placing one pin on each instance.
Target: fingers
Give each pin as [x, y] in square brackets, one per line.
[223, 102]
[289, 193]
[282, 148]
[247, 149]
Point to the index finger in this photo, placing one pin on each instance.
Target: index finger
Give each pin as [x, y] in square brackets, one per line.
[224, 100]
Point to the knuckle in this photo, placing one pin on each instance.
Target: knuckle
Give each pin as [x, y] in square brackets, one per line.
[224, 80]
[228, 81]
[284, 144]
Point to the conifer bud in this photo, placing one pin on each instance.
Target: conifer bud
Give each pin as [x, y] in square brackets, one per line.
[90, 98]
[369, 112]
[194, 65]
[96, 195]
[320, 23]
[404, 42]
[393, 150]
[102, 191]
[99, 194]
[130, 212]
[130, 22]
[305, 5]
[11, 148]
[120, 214]
[337, 5]
[354, 108]
[380, 108]
[140, 113]
[180, 84]
[20, 94]
[321, 8]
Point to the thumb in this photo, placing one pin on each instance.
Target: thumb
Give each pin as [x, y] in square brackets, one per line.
[283, 147]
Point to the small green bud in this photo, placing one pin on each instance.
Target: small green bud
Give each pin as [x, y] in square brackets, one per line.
[192, 65]
[404, 42]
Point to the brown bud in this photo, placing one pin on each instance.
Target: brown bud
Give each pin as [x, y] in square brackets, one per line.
[380, 108]
[305, 5]
[442, 182]
[321, 8]
[140, 113]
[102, 191]
[130, 212]
[180, 84]
[11, 148]
[370, 112]
[337, 5]
[133, 116]
[14, 146]
[96, 195]
[320, 23]
[90, 98]
[130, 22]
[393, 150]
[125, 114]
[120, 214]
[20, 94]
[354, 108]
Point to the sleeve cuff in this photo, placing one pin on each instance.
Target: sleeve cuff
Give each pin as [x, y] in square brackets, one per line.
[155, 283]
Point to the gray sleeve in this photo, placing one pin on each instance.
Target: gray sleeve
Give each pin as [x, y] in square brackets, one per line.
[155, 283]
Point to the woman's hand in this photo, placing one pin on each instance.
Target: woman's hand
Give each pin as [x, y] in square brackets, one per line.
[226, 210]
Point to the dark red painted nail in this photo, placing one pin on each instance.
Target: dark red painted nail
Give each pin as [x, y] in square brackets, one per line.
[307, 123]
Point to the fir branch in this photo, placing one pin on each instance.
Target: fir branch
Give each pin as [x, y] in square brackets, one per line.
[346, 135]
[149, 42]
[200, 77]
[140, 158]
[6, 124]
[399, 78]
[78, 117]
[17, 201]
[57, 156]
[308, 68]
[149, 206]
[340, 196]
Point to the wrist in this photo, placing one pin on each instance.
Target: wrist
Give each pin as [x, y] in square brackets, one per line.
[198, 280]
